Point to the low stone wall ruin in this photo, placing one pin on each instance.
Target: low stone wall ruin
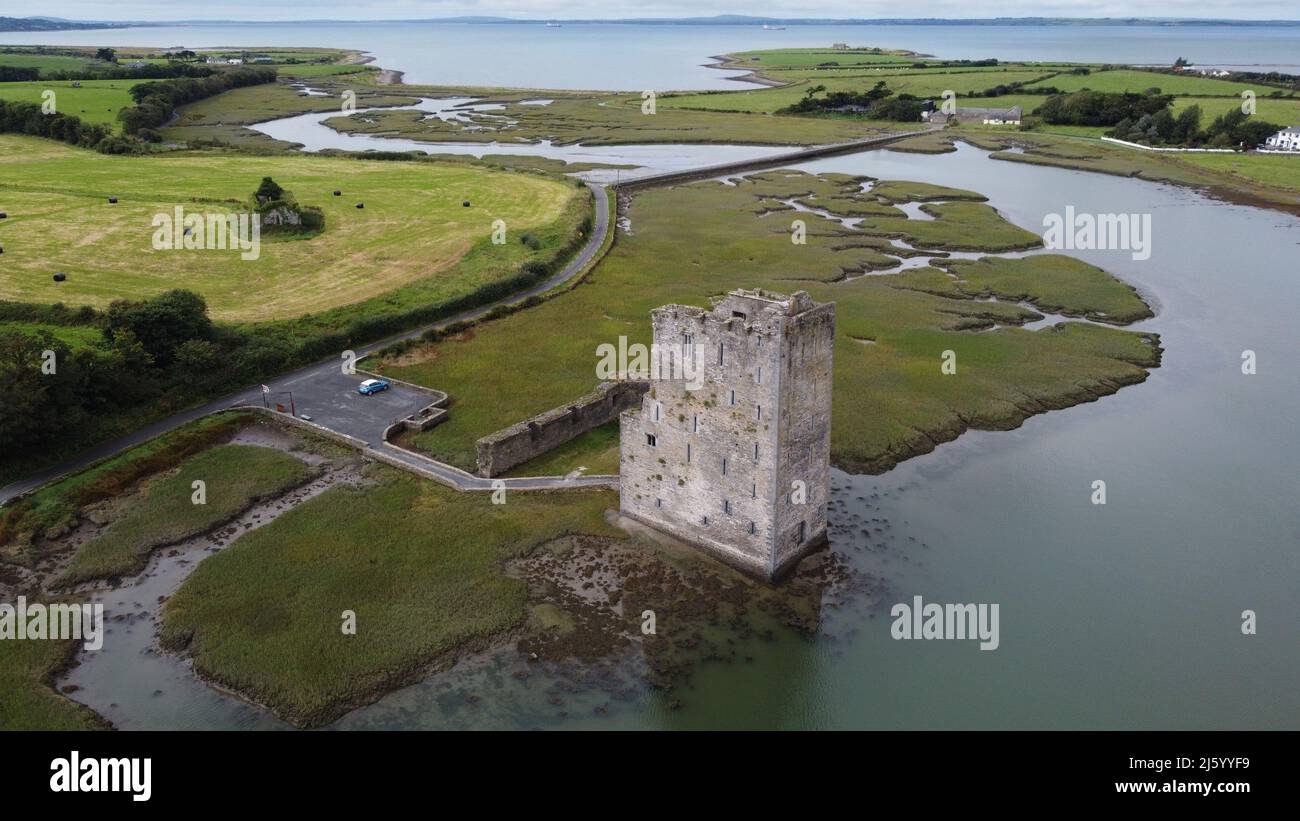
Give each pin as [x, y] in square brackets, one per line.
[500, 451]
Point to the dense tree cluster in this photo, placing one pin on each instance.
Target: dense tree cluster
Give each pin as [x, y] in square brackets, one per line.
[27, 118]
[1101, 107]
[155, 102]
[879, 103]
[1232, 130]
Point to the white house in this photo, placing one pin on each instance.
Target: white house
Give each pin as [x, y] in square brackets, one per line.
[1288, 139]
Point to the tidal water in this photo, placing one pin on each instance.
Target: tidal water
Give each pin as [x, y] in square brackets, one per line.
[1123, 615]
[627, 57]
[310, 132]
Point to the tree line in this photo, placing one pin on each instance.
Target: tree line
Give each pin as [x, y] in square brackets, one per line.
[1148, 118]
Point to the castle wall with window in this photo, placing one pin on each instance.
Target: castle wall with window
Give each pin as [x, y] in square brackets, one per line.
[739, 462]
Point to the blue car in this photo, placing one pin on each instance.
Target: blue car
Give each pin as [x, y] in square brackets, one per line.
[372, 386]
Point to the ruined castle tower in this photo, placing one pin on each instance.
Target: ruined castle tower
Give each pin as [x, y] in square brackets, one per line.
[736, 459]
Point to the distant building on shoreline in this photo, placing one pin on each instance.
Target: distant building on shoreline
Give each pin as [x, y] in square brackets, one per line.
[737, 461]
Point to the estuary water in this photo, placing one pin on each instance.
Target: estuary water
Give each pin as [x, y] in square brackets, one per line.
[1123, 615]
[311, 132]
[628, 57]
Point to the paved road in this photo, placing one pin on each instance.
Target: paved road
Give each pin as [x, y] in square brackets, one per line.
[323, 392]
[329, 397]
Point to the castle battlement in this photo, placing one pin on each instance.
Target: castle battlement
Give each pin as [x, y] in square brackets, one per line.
[737, 460]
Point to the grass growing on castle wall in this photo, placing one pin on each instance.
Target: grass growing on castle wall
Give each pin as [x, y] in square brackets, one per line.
[420, 565]
[235, 476]
[891, 400]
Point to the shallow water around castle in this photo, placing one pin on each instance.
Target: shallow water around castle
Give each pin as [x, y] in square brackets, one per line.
[1122, 615]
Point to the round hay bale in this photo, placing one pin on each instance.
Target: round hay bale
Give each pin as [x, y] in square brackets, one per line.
[112, 200]
[464, 204]
[60, 276]
[338, 193]
[3, 215]
[361, 205]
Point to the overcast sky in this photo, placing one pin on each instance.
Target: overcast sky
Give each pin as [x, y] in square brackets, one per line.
[156, 10]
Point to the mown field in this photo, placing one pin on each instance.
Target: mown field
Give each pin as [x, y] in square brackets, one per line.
[413, 227]
[96, 101]
[420, 565]
[891, 401]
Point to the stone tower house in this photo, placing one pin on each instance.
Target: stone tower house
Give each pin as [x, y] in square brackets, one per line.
[736, 459]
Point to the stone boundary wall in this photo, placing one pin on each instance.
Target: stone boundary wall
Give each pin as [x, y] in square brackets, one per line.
[500, 451]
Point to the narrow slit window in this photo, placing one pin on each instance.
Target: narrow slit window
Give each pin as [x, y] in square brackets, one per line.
[724, 467]
[651, 440]
[726, 506]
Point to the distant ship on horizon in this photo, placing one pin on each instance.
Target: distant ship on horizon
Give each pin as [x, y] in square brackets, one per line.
[766, 27]
[554, 25]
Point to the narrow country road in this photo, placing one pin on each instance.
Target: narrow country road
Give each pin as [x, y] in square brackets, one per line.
[323, 392]
[329, 398]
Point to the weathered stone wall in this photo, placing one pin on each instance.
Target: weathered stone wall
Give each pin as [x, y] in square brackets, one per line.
[500, 451]
[712, 464]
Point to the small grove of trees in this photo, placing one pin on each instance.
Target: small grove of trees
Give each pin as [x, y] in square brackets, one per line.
[1229, 130]
[277, 205]
[163, 351]
[878, 103]
[1100, 107]
[155, 102]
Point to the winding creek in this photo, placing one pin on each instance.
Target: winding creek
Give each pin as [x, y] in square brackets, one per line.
[1118, 616]
[310, 131]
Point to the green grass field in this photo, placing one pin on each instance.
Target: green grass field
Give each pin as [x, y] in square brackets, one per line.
[96, 101]
[1274, 169]
[420, 565]
[1139, 81]
[234, 477]
[413, 227]
[891, 401]
[49, 62]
